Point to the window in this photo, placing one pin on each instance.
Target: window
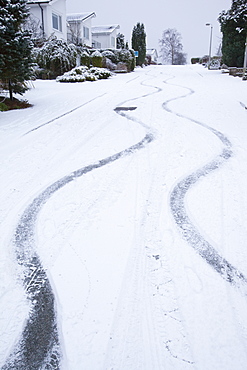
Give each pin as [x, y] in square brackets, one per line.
[96, 44]
[113, 42]
[57, 22]
[86, 32]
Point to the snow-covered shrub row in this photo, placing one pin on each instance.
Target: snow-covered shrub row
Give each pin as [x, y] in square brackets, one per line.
[97, 59]
[83, 73]
[85, 58]
[109, 58]
[110, 55]
[55, 57]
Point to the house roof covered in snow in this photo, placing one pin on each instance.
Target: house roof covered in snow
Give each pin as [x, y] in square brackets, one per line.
[151, 51]
[79, 17]
[38, 1]
[106, 30]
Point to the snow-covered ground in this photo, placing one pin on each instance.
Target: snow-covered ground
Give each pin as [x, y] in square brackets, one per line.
[125, 230]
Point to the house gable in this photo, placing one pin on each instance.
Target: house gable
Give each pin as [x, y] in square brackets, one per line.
[153, 55]
[105, 36]
[79, 28]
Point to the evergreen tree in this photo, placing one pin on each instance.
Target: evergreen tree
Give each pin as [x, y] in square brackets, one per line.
[139, 43]
[15, 47]
[120, 41]
[234, 28]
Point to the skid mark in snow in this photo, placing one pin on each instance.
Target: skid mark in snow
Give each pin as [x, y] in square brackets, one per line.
[38, 347]
[243, 105]
[189, 232]
[64, 114]
[148, 331]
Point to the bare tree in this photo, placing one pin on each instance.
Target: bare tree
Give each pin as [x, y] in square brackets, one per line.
[120, 41]
[74, 34]
[171, 48]
[33, 25]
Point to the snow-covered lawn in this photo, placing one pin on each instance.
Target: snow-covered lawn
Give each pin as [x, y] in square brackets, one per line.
[137, 219]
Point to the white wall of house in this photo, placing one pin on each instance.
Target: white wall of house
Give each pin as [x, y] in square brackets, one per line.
[104, 40]
[101, 41]
[58, 18]
[54, 17]
[86, 32]
[153, 54]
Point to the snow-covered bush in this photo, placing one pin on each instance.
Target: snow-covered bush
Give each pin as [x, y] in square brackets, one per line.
[55, 57]
[100, 73]
[215, 63]
[122, 67]
[67, 77]
[128, 57]
[109, 54]
[96, 59]
[107, 63]
[83, 73]
[85, 58]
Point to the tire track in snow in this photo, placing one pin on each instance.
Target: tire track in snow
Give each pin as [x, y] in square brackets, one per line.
[131, 335]
[64, 114]
[227, 271]
[38, 346]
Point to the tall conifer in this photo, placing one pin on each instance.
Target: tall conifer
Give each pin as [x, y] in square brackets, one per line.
[15, 47]
[139, 42]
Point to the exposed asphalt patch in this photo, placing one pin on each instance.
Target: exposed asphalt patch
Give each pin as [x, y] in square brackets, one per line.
[117, 109]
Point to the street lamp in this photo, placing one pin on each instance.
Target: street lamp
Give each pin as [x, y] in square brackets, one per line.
[245, 59]
[210, 43]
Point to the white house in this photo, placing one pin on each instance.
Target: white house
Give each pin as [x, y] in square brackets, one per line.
[153, 55]
[79, 28]
[105, 36]
[48, 17]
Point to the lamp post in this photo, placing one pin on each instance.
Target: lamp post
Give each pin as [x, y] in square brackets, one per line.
[245, 59]
[210, 43]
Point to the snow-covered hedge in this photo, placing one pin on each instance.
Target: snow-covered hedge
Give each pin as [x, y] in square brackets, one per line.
[111, 55]
[55, 57]
[85, 58]
[96, 59]
[83, 73]
[109, 58]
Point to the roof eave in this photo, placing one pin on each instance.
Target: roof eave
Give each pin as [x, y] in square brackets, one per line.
[105, 32]
[90, 15]
[38, 2]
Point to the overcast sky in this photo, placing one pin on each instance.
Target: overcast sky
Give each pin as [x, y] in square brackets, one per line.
[187, 16]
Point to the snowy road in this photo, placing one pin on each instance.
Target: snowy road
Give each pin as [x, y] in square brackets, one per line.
[117, 199]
